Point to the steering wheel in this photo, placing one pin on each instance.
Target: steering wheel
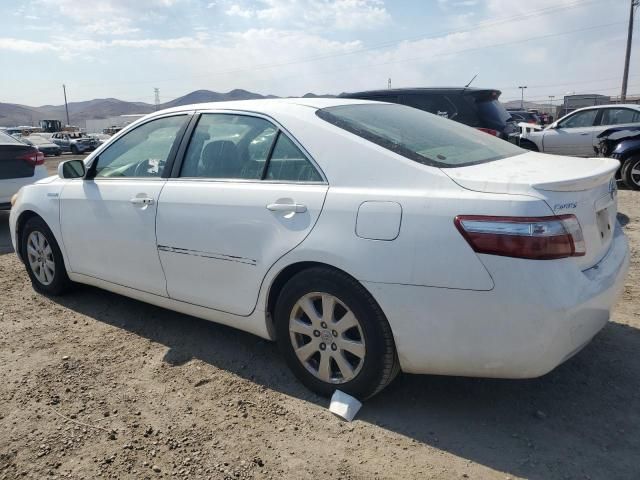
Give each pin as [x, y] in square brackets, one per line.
[142, 169]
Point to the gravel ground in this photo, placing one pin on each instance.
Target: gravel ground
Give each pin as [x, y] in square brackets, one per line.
[100, 386]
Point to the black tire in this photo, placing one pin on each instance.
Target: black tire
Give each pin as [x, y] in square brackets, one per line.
[380, 363]
[631, 180]
[528, 145]
[74, 150]
[58, 153]
[60, 282]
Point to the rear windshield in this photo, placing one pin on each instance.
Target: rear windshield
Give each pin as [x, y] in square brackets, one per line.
[492, 109]
[418, 135]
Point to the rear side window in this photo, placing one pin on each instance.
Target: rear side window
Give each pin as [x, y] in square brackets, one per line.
[418, 135]
[288, 163]
[618, 116]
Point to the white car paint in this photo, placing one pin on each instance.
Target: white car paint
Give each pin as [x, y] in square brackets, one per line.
[580, 141]
[212, 249]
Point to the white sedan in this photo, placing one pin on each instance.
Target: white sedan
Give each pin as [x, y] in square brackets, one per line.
[576, 134]
[366, 238]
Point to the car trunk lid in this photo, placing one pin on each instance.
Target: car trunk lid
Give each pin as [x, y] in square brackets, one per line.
[584, 187]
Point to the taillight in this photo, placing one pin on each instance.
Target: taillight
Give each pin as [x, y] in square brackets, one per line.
[490, 131]
[33, 157]
[536, 238]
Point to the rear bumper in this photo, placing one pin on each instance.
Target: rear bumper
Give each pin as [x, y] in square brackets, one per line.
[538, 315]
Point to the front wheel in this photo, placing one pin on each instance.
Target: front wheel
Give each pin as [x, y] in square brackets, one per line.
[630, 172]
[43, 258]
[333, 334]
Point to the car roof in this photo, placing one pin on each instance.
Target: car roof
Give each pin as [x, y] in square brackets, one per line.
[632, 106]
[422, 90]
[265, 106]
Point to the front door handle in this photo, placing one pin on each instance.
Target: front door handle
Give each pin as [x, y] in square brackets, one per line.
[142, 201]
[287, 207]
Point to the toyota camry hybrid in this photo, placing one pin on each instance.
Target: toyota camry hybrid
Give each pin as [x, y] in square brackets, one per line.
[365, 238]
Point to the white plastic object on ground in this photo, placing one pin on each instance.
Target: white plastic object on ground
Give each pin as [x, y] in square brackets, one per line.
[344, 405]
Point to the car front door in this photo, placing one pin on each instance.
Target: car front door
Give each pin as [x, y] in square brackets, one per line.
[108, 218]
[573, 135]
[244, 195]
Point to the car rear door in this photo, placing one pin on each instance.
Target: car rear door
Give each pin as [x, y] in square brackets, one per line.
[244, 195]
[573, 135]
[108, 219]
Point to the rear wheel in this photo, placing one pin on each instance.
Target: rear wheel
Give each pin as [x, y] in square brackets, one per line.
[43, 258]
[631, 172]
[74, 150]
[334, 335]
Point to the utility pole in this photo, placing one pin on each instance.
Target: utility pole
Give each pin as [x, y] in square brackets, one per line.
[156, 91]
[389, 83]
[66, 107]
[522, 97]
[551, 97]
[627, 58]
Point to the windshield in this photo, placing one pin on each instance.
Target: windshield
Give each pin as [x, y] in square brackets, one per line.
[418, 135]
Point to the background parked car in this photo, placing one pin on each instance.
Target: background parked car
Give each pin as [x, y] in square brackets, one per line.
[475, 107]
[74, 142]
[623, 143]
[523, 116]
[100, 137]
[576, 134]
[20, 165]
[44, 145]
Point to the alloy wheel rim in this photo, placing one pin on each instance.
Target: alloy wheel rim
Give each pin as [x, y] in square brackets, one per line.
[40, 257]
[327, 338]
[635, 173]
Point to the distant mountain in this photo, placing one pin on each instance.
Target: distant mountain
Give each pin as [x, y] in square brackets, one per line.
[527, 105]
[14, 114]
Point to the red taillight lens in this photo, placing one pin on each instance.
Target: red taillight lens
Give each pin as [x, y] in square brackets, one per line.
[490, 131]
[536, 238]
[33, 157]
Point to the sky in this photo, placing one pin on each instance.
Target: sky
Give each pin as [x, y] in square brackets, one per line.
[126, 48]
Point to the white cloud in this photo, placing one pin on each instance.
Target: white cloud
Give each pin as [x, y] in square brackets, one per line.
[26, 46]
[339, 14]
[236, 10]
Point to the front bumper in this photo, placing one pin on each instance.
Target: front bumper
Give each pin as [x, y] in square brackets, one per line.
[539, 314]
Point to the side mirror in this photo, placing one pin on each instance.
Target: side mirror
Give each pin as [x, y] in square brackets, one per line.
[71, 169]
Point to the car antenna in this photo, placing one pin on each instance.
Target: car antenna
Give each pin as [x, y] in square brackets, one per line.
[471, 81]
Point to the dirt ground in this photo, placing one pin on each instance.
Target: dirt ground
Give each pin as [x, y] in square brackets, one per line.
[95, 385]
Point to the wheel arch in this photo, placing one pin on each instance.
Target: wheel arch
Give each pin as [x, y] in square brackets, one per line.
[20, 223]
[281, 279]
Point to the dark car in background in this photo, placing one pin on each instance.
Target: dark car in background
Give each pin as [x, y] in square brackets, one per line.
[20, 165]
[476, 107]
[44, 145]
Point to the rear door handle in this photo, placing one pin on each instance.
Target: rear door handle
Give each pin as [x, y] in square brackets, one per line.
[142, 201]
[287, 207]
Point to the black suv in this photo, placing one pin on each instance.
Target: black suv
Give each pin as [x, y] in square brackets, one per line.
[475, 107]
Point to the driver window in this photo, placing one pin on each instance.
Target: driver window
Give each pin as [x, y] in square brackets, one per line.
[580, 119]
[142, 152]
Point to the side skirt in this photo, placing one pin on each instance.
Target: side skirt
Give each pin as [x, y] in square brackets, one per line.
[255, 323]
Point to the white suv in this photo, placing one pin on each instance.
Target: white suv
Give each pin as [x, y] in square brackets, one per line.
[576, 134]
